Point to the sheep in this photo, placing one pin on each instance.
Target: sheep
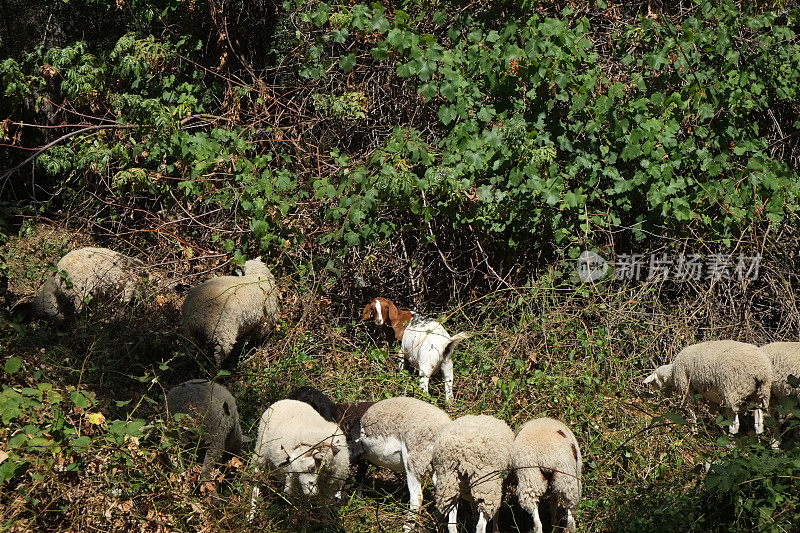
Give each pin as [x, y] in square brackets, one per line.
[84, 275]
[725, 372]
[471, 457]
[309, 451]
[398, 434]
[424, 342]
[785, 359]
[215, 409]
[547, 460]
[223, 310]
[347, 415]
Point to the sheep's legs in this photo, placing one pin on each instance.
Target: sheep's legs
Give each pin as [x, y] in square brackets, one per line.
[481, 527]
[733, 416]
[452, 519]
[447, 374]
[401, 359]
[570, 521]
[553, 511]
[758, 417]
[533, 510]
[414, 498]
[253, 498]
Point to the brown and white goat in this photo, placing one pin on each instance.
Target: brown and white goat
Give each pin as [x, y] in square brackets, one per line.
[424, 342]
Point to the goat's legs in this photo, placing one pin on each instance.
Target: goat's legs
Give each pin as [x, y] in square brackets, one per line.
[447, 374]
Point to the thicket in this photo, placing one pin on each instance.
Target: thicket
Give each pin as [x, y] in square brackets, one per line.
[524, 129]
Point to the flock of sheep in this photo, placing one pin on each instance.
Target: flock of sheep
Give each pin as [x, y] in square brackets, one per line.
[311, 442]
[732, 375]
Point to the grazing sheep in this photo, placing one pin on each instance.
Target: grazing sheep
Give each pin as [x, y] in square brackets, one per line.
[347, 415]
[424, 342]
[223, 310]
[213, 407]
[471, 457]
[398, 434]
[84, 275]
[785, 359]
[308, 450]
[727, 373]
[547, 460]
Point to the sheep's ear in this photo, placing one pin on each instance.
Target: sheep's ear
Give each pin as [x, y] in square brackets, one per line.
[318, 453]
[367, 312]
[649, 378]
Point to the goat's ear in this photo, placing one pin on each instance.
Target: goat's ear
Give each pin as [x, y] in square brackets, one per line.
[393, 313]
[367, 312]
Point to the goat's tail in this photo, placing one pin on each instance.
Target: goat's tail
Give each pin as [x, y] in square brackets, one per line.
[455, 340]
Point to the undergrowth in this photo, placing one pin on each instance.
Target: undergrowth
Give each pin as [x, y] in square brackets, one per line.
[83, 413]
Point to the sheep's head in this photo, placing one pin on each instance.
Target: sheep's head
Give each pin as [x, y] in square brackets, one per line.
[660, 379]
[304, 465]
[254, 267]
[381, 310]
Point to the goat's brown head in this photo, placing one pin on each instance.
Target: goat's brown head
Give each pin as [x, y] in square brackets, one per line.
[379, 309]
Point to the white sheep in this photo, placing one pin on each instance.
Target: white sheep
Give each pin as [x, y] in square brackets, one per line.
[223, 310]
[398, 434]
[785, 359]
[309, 451]
[84, 275]
[727, 373]
[547, 461]
[471, 457]
[214, 408]
[424, 342]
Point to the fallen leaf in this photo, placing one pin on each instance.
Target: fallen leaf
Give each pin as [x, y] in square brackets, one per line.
[96, 418]
[3, 456]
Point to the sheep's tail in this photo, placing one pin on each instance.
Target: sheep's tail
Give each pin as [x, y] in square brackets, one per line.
[763, 390]
[455, 340]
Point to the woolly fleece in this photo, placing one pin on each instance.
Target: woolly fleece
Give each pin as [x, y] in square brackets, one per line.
[411, 421]
[728, 372]
[92, 273]
[470, 458]
[214, 407]
[785, 358]
[290, 424]
[547, 460]
[223, 310]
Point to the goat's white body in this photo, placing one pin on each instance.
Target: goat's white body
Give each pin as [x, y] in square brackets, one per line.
[424, 344]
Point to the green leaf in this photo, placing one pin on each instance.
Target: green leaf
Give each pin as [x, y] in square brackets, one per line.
[347, 62]
[13, 364]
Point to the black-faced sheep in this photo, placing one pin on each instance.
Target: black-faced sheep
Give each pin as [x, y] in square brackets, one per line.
[727, 373]
[223, 310]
